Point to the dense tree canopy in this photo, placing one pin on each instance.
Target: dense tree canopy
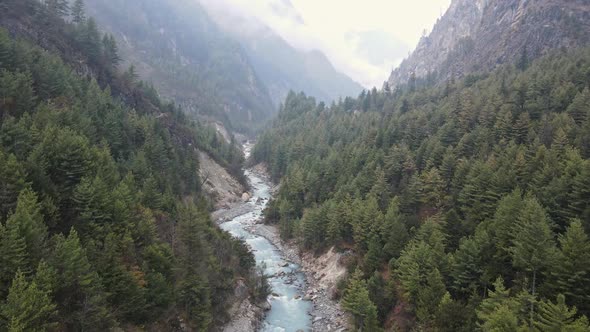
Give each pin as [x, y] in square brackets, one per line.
[442, 189]
[102, 219]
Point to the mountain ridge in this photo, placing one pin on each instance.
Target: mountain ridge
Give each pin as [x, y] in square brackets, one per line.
[480, 35]
[282, 66]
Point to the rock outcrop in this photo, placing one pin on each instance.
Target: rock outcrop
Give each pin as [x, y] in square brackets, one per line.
[481, 34]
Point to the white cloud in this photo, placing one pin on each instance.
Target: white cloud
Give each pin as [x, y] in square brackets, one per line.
[334, 27]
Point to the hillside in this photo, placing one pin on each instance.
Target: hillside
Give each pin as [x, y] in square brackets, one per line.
[177, 47]
[461, 207]
[482, 34]
[103, 221]
[284, 68]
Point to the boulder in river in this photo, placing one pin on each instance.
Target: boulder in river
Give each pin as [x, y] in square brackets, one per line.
[245, 197]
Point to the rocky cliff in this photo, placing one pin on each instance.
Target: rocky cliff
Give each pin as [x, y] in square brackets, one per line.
[481, 34]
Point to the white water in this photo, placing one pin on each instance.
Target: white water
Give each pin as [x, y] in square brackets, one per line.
[287, 313]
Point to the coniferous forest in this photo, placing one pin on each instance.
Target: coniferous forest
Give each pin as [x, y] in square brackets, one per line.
[465, 205]
[102, 220]
[455, 201]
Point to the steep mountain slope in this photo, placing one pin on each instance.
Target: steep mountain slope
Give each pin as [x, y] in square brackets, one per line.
[460, 206]
[103, 222]
[480, 34]
[281, 66]
[175, 45]
[284, 68]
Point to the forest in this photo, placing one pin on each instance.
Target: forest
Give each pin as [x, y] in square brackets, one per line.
[465, 205]
[103, 223]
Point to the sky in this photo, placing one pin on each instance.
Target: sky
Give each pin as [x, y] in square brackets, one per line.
[364, 39]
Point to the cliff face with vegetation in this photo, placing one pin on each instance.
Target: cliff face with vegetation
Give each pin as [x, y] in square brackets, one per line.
[480, 35]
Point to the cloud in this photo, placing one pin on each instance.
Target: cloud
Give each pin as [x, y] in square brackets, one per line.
[377, 46]
[364, 39]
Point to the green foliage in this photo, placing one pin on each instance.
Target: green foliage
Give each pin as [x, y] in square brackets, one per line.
[357, 302]
[95, 177]
[28, 307]
[558, 317]
[485, 175]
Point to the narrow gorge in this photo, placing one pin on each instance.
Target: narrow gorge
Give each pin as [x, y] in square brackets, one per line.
[298, 300]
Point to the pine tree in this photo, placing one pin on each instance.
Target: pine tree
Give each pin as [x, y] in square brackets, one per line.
[91, 41]
[5, 49]
[79, 293]
[12, 182]
[194, 291]
[498, 297]
[78, 15]
[557, 317]
[430, 296]
[571, 274]
[28, 221]
[395, 231]
[111, 52]
[533, 246]
[560, 141]
[579, 109]
[373, 256]
[28, 308]
[14, 256]
[469, 264]
[502, 319]
[357, 302]
[57, 8]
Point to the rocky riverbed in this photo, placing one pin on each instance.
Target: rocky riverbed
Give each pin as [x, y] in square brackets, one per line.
[302, 284]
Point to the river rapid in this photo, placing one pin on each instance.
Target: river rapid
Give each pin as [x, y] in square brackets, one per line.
[289, 311]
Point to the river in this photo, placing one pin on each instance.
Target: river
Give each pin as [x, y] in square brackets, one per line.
[289, 312]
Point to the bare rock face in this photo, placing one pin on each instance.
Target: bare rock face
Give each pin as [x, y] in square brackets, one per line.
[481, 34]
[219, 185]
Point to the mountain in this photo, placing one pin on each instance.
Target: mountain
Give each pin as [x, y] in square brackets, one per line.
[104, 224]
[283, 67]
[476, 35]
[177, 47]
[457, 205]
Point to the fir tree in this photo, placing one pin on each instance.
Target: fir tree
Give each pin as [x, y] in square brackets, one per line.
[28, 308]
[533, 246]
[78, 15]
[357, 302]
[557, 317]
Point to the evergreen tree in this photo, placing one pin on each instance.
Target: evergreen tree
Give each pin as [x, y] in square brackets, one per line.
[571, 274]
[28, 222]
[12, 182]
[579, 109]
[373, 256]
[430, 296]
[557, 317]
[78, 15]
[14, 256]
[357, 302]
[78, 293]
[533, 247]
[395, 231]
[57, 8]
[28, 308]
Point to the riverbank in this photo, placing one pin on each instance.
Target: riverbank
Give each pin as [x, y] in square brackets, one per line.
[308, 279]
[288, 311]
[321, 273]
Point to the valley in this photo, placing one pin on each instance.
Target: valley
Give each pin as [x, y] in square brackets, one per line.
[210, 165]
[298, 300]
